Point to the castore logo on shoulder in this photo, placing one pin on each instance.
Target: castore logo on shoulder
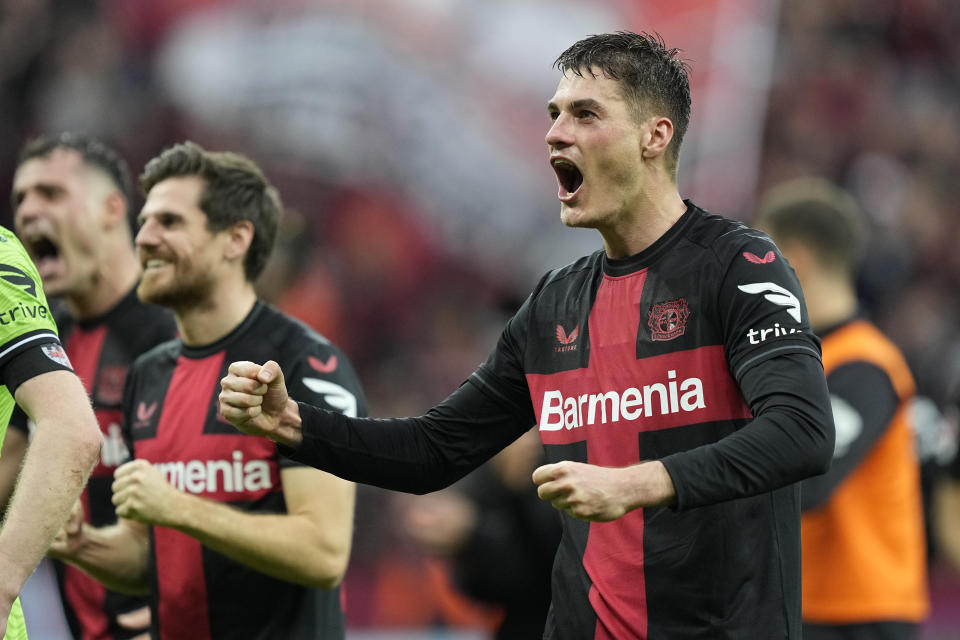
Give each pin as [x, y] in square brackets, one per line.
[144, 413]
[567, 340]
[768, 257]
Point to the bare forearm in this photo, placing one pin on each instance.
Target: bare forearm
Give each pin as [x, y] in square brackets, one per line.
[284, 546]
[56, 467]
[14, 451]
[115, 556]
[648, 484]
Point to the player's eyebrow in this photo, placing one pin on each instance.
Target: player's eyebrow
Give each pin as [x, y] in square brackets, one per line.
[165, 216]
[47, 190]
[583, 103]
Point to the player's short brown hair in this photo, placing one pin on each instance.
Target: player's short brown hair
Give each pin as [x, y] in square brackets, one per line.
[235, 189]
[654, 79]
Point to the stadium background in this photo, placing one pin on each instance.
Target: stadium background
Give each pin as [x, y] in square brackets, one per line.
[406, 137]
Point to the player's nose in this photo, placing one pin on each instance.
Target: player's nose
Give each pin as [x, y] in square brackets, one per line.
[28, 210]
[560, 134]
[148, 234]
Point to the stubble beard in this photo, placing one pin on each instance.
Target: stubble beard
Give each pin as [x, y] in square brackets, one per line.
[179, 295]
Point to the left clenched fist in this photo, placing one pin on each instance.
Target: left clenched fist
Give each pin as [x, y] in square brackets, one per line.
[141, 493]
[601, 494]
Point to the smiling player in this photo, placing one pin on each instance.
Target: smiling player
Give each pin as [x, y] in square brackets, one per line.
[212, 520]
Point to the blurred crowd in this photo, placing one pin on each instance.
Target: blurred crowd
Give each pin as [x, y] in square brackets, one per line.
[868, 94]
[406, 137]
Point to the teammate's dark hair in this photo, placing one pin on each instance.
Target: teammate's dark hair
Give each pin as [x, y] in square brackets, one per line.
[817, 213]
[93, 151]
[235, 190]
[654, 79]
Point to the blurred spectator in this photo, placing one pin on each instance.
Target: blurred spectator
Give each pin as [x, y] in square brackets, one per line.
[864, 570]
[500, 537]
[946, 498]
[867, 94]
[947, 515]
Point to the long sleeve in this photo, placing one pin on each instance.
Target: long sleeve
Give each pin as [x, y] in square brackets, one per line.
[416, 455]
[790, 438]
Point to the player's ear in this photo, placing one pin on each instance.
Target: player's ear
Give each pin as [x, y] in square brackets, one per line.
[657, 134]
[239, 237]
[115, 210]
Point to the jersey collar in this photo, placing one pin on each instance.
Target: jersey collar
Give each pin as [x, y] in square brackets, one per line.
[651, 254]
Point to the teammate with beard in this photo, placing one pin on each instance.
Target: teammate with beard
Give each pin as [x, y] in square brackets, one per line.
[677, 417]
[71, 198]
[212, 520]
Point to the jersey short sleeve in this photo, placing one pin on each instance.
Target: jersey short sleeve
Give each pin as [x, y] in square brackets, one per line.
[29, 344]
[324, 377]
[25, 318]
[761, 305]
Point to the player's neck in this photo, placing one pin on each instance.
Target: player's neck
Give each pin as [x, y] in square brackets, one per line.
[110, 284]
[205, 323]
[829, 302]
[637, 229]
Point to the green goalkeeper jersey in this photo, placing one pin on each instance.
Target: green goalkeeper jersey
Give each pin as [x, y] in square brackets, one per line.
[25, 318]
[25, 321]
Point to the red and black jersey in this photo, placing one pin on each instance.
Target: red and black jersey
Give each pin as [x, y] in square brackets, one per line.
[641, 359]
[171, 419]
[101, 350]
[697, 352]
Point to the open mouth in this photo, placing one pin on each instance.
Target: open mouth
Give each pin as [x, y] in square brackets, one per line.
[152, 264]
[568, 175]
[41, 248]
[45, 254]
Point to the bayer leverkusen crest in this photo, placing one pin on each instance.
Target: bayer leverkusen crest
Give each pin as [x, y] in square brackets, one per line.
[668, 320]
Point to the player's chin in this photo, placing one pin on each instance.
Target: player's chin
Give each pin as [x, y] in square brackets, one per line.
[576, 217]
[154, 293]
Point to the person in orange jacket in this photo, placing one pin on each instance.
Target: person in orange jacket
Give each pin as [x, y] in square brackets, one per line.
[862, 529]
